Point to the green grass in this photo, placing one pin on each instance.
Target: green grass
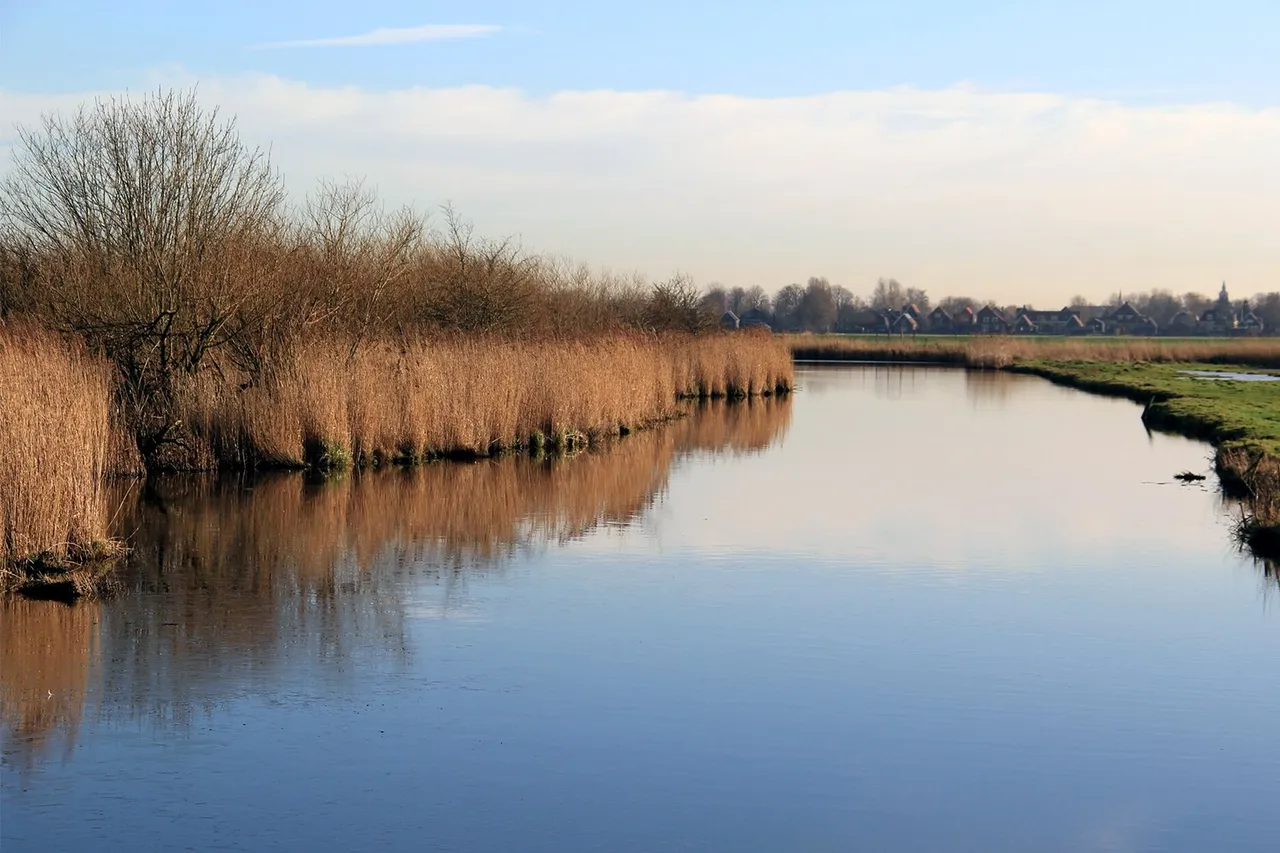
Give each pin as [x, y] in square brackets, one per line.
[1228, 413]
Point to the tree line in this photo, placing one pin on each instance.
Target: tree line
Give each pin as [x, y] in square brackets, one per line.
[819, 306]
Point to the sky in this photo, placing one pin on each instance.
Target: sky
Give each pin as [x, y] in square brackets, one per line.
[1025, 152]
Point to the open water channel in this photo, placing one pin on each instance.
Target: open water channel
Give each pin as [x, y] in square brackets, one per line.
[908, 609]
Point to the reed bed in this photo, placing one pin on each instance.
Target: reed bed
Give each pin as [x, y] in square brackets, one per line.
[994, 351]
[59, 434]
[330, 406]
[403, 402]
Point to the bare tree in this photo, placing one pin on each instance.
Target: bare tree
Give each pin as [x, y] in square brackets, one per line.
[142, 210]
[818, 306]
[479, 285]
[918, 297]
[676, 304]
[888, 293]
[786, 307]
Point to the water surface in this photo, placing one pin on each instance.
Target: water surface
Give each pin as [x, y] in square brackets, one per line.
[911, 609]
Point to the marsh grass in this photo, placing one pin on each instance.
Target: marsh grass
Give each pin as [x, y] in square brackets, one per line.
[60, 435]
[421, 399]
[995, 351]
[329, 406]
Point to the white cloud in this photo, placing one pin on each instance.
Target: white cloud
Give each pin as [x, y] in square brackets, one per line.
[1018, 196]
[386, 36]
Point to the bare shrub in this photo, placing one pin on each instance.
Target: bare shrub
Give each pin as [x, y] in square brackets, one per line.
[146, 213]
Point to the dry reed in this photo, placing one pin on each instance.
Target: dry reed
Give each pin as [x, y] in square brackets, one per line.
[59, 437]
[990, 351]
[473, 396]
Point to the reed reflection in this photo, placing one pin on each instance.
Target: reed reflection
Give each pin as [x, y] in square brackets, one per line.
[237, 586]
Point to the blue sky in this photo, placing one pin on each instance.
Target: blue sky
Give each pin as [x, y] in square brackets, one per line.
[1002, 149]
[1140, 49]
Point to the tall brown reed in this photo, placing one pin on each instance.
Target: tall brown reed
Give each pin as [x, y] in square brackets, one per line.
[421, 397]
[1001, 351]
[59, 437]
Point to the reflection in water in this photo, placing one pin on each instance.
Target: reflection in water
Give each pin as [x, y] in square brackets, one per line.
[48, 656]
[234, 582]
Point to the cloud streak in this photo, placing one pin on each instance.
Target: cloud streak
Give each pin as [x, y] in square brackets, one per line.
[390, 36]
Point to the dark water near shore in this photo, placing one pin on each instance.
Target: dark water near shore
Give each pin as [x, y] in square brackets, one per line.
[910, 609]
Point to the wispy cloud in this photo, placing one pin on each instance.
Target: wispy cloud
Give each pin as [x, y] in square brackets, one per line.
[388, 36]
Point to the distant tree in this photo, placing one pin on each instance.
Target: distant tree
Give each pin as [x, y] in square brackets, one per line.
[786, 307]
[756, 298]
[888, 293]
[1195, 304]
[918, 297]
[1159, 305]
[955, 305]
[818, 306]
[1079, 302]
[1267, 307]
[715, 301]
[735, 299]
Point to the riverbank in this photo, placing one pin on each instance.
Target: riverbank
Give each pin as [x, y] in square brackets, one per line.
[993, 351]
[329, 407]
[1240, 418]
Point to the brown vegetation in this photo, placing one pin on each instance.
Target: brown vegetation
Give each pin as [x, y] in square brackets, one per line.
[59, 435]
[1002, 351]
[206, 325]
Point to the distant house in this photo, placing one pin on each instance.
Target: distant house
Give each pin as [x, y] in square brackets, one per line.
[885, 318]
[905, 324]
[991, 321]
[939, 322]
[1127, 320]
[1220, 319]
[729, 320]
[1183, 323]
[1023, 324]
[1047, 322]
[1249, 323]
[964, 323]
[754, 318]
[1095, 326]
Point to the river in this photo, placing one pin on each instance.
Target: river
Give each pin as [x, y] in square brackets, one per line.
[908, 609]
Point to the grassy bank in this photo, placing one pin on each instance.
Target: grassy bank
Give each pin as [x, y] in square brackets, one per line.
[1001, 351]
[1241, 419]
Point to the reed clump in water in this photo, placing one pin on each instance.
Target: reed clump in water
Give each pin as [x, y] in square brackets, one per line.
[60, 434]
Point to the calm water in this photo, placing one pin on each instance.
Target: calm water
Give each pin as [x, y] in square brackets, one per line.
[912, 609]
